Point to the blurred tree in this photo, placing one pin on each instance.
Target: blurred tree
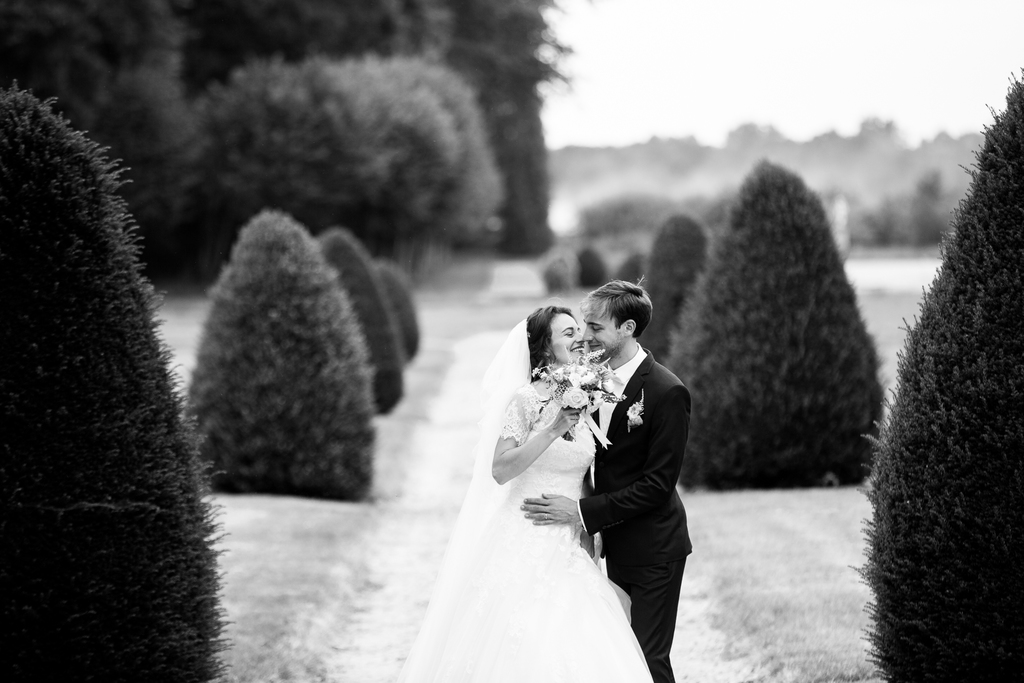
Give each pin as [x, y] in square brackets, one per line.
[282, 385]
[676, 259]
[773, 342]
[626, 217]
[633, 269]
[946, 539]
[351, 142]
[920, 218]
[476, 189]
[150, 126]
[560, 271]
[114, 69]
[506, 51]
[593, 271]
[929, 212]
[107, 565]
[75, 50]
[358, 275]
[226, 34]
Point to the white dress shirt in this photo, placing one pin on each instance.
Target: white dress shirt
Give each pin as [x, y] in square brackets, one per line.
[623, 374]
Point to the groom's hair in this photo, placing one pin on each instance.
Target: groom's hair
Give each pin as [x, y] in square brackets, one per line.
[620, 301]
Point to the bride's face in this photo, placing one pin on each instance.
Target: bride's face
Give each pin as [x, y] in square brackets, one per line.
[566, 338]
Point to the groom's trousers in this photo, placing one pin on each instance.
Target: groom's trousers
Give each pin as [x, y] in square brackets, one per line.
[654, 592]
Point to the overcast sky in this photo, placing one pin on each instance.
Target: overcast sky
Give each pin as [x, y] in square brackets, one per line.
[673, 68]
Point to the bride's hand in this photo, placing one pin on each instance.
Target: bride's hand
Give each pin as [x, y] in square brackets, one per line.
[587, 542]
[566, 420]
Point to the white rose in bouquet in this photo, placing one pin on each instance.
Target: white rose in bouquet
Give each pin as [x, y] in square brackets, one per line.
[575, 398]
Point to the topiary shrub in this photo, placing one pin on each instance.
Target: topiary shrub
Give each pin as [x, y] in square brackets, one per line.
[107, 566]
[359, 278]
[633, 269]
[946, 537]
[677, 257]
[397, 290]
[281, 387]
[593, 271]
[773, 344]
[560, 271]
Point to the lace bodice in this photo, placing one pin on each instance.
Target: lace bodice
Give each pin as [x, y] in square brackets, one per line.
[559, 469]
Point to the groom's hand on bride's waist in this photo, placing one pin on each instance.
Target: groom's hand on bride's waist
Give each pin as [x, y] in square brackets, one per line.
[552, 509]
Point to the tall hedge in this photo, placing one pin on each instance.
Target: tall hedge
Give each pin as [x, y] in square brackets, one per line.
[633, 268]
[676, 259]
[107, 566]
[593, 271]
[281, 387]
[397, 288]
[560, 271]
[359, 277]
[773, 344]
[946, 537]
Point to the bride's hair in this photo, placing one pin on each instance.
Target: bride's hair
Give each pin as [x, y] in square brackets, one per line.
[538, 331]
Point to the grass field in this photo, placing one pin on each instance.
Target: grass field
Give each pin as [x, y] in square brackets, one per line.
[779, 563]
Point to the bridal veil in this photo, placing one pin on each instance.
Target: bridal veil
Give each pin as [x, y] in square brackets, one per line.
[509, 371]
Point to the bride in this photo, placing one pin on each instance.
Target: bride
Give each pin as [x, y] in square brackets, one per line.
[514, 601]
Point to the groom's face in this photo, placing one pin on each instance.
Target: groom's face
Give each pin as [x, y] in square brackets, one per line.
[603, 334]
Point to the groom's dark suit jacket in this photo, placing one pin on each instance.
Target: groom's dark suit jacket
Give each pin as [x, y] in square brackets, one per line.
[635, 506]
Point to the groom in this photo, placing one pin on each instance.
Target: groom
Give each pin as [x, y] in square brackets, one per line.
[635, 505]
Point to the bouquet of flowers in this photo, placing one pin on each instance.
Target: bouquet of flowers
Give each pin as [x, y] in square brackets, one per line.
[582, 383]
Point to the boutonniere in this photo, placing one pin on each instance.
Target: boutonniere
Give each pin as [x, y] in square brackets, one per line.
[634, 413]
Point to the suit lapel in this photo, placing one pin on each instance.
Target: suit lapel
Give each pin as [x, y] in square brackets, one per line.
[630, 394]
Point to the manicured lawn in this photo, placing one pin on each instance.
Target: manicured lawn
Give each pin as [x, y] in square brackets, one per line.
[781, 567]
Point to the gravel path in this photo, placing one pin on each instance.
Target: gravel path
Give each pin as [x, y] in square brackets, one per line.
[404, 551]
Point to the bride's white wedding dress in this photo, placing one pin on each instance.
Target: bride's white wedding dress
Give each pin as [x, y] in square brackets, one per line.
[533, 606]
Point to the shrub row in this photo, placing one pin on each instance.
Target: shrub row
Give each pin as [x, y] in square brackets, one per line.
[563, 270]
[359, 277]
[282, 388]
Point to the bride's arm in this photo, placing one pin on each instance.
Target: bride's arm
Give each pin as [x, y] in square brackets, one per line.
[511, 459]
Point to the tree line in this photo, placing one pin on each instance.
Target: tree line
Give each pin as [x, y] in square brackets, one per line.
[893, 194]
[199, 100]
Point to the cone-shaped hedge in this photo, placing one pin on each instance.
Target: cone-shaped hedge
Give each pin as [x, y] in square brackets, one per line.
[397, 289]
[359, 278]
[773, 347]
[593, 271]
[281, 388]
[676, 259]
[560, 271]
[633, 268]
[107, 567]
[946, 540]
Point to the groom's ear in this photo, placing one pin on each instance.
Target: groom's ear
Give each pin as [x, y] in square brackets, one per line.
[629, 326]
